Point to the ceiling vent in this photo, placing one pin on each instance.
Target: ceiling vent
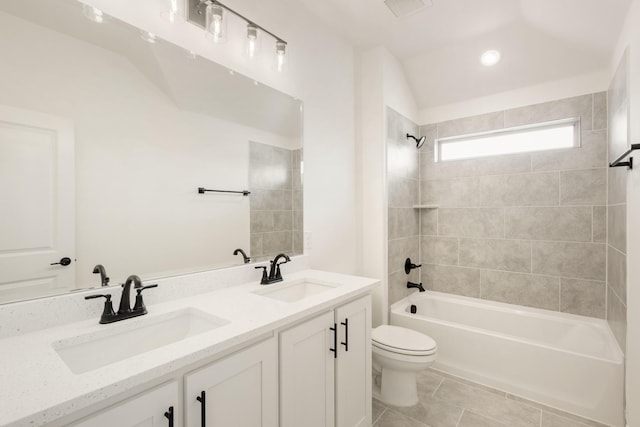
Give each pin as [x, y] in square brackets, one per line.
[402, 8]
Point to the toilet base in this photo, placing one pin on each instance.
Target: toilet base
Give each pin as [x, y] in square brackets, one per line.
[398, 388]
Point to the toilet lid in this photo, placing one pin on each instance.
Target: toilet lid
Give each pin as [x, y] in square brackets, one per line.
[395, 338]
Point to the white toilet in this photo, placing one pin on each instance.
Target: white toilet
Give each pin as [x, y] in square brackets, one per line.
[398, 355]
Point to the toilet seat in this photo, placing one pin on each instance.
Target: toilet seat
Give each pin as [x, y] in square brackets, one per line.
[405, 341]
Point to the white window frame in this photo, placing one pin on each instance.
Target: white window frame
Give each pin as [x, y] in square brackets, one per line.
[543, 126]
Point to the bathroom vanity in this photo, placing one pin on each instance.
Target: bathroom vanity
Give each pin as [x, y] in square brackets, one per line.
[289, 354]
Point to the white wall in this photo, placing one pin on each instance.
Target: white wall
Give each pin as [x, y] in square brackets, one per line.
[630, 37]
[321, 73]
[380, 83]
[549, 91]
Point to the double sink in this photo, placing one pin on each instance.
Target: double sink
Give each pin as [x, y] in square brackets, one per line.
[120, 341]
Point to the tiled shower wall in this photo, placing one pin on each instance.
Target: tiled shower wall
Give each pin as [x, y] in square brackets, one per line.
[276, 211]
[527, 229]
[403, 191]
[617, 207]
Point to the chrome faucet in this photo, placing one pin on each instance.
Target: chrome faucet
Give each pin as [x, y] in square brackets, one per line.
[99, 269]
[274, 271]
[124, 310]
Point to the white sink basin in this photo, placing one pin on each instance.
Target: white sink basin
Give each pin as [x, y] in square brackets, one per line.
[131, 337]
[295, 290]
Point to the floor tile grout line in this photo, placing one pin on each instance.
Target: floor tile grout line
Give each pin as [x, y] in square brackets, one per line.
[460, 418]
[437, 388]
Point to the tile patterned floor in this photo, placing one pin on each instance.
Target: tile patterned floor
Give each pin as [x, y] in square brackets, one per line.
[447, 401]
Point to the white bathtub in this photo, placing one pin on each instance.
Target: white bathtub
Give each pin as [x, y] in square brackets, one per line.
[569, 362]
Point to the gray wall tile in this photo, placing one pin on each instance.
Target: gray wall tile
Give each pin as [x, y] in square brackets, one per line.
[600, 224]
[617, 186]
[439, 250]
[575, 260]
[562, 224]
[429, 222]
[471, 222]
[538, 189]
[617, 318]
[256, 245]
[403, 193]
[617, 272]
[583, 187]
[617, 227]
[600, 110]
[592, 153]
[451, 279]
[392, 223]
[579, 106]
[408, 222]
[583, 297]
[474, 124]
[400, 250]
[261, 221]
[277, 242]
[522, 289]
[461, 192]
[283, 220]
[508, 255]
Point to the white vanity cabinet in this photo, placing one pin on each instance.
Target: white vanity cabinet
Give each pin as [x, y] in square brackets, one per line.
[325, 369]
[154, 408]
[240, 390]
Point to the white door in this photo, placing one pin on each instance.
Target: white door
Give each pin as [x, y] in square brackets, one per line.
[37, 211]
[238, 391]
[307, 374]
[155, 408]
[353, 365]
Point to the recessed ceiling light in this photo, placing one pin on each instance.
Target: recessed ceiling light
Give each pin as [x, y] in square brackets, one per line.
[490, 58]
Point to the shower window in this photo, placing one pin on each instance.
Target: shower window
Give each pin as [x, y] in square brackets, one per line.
[553, 135]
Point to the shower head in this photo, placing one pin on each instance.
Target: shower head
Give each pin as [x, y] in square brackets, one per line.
[419, 141]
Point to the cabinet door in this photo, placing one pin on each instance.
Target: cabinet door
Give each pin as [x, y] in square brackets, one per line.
[307, 374]
[144, 410]
[353, 365]
[240, 390]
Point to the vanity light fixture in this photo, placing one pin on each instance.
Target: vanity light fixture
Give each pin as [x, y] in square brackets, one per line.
[213, 16]
[490, 58]
[253, 40]
[216, 23]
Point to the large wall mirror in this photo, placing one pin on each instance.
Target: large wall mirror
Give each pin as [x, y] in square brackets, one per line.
[106, 134]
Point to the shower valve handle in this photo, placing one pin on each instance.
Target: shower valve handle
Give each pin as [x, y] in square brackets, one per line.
[408, 265]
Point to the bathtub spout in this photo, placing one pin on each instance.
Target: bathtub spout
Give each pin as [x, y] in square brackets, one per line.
[415, 285]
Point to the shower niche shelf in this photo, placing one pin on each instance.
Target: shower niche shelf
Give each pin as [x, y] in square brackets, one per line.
[425, 206]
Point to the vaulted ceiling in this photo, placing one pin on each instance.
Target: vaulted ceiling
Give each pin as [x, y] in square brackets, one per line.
[440, 45]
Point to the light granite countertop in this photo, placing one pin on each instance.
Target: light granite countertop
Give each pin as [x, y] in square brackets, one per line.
[38, 387]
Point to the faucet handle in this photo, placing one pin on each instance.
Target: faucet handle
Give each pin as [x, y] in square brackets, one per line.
[139, 305]
[264, 280]
[107, 312]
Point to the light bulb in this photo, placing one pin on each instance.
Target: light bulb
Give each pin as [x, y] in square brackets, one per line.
[216, 22]
[281, 50]
[252, 40]
[490, 58]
